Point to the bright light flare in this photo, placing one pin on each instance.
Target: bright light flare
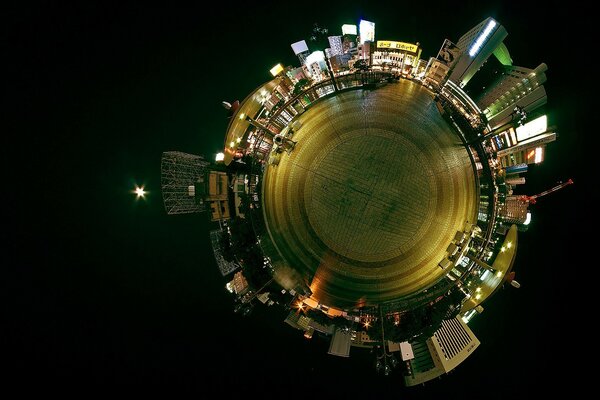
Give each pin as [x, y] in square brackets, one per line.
[482, 37]
[140, 192]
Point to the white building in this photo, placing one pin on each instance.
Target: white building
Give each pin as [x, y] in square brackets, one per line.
[475, 47]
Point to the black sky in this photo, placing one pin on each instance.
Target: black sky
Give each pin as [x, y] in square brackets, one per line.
[105, 292]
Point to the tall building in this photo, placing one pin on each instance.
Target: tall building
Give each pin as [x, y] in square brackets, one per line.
[445, 350]
[182, 177]
[514, 210]
[512, 85]
[475, 47]
[366, 31]
[528, 151]
[226, 267]
[316, 65]
[452, 344]
[239, 284]
[301, 50]
[217, 196]
[335, 44]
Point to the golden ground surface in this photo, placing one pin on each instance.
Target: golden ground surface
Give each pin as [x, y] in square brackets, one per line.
[368, 201]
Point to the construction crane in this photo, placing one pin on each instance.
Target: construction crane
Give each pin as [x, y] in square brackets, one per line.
[532, 199]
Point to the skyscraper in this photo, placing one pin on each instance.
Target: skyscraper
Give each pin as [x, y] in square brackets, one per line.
[514, 210]
[335, 44]
[475, 47]
[301, 50]
[366, 30]
[515, 86]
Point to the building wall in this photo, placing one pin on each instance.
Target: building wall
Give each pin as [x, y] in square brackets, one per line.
[217, 195]
[514, 210]
[468, 65]
[436, 72]
[529, 102]
[452, 344]
[522, 153]
[512, 85]
[335, 44]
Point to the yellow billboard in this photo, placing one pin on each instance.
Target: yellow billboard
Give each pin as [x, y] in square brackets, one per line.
[276, 69]
[386, 44]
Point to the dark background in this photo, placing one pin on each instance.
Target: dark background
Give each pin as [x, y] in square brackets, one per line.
[105, 292]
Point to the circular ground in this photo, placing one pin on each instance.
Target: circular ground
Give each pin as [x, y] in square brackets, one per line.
[375, 190]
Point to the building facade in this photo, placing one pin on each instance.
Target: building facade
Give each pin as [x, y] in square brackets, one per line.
[475, 47]
[335, 45]
[513, 84]
[397, 56]
[514, 210]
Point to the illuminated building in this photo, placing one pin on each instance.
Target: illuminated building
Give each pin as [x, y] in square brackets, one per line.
[475, 47]
[445, 350]
[300, 49]
[335, 44]
[348, 29]
[317, 67]
[182, 182]
[366, 31]
[515, 210]
[217, 196]
[515, 86]
[436, 72]
[529, 151]
[398, 56]
[365, 50]
[239, 284]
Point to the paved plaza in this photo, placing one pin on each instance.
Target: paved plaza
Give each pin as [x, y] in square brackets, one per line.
[375, 190]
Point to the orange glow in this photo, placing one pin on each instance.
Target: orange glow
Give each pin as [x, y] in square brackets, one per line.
[531, 154]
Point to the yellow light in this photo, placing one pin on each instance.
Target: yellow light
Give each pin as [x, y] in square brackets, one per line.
[276, 70]
[140, 192]
[499, 274]
[220, 157]
[238, 140]
[231, 144]
[300, 305]
[367, 324]
[503, 249]
[478, 289]
[478, 297]
[509, 245]
[242, 115]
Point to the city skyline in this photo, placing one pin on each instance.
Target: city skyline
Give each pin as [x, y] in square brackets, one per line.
[136, 292]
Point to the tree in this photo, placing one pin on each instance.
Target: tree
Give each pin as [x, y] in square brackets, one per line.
[299, 87]
[361, 65]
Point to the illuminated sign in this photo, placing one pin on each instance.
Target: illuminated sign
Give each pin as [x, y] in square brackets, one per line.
[299, 47]
[276, 70]
[348, 29]
[386, 44]
[367, 31]
[449, 53]
[539, 155]
[533, 128]
[481, 38]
